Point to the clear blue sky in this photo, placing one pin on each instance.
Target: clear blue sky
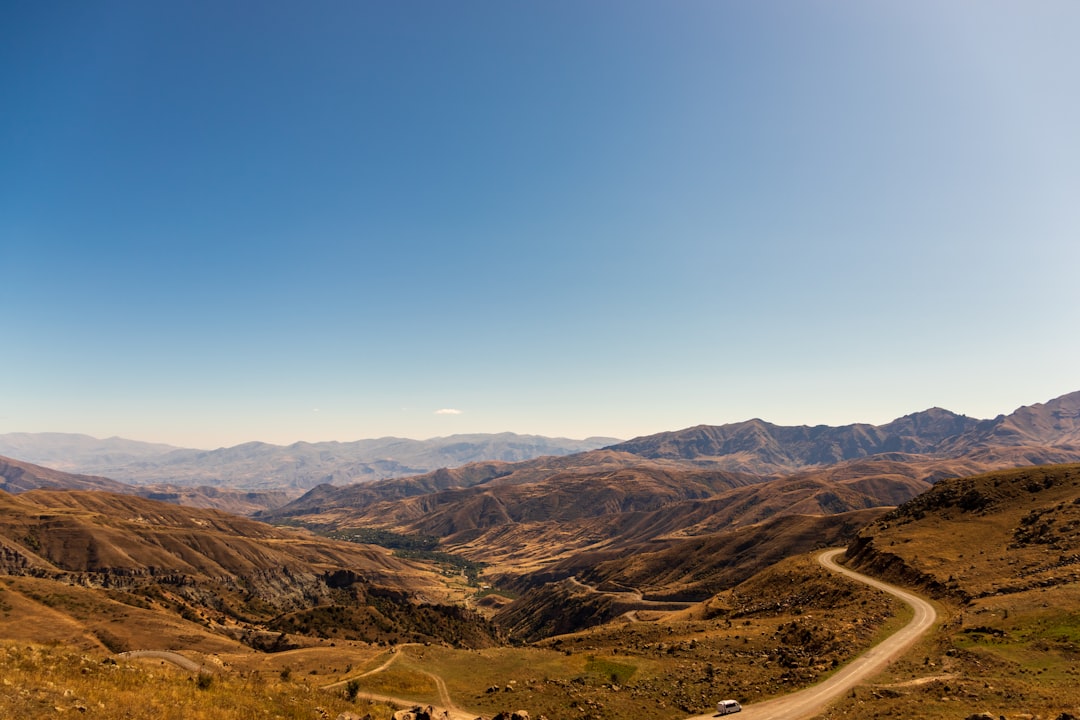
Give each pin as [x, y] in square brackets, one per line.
[229, 221]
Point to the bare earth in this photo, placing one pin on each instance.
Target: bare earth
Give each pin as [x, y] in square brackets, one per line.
[796, 706]
[811, 701]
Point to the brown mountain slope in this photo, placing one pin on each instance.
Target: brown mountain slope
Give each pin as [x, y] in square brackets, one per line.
[699, 567]
[677, 577]
[17, 476]
[562, 496]
[1050, 424]
[521, 527]
[123, 535]
[998, 533]
[196, 563]
[524, 552]
[1001, 551]
[764, 448]
[756, 446]
[331, 501]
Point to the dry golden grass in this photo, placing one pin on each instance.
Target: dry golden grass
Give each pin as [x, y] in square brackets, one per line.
[1004, 549]
[46, 681]
[676, 664]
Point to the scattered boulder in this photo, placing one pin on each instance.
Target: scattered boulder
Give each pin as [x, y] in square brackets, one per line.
[981, 716]
[417, 713]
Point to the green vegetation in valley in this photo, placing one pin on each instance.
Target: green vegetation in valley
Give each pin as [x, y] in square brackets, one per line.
[414, 547]
[386, 539]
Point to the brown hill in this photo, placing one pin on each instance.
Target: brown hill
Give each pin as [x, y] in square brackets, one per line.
[17, 476]
[699, 567]
[203, 563]
[1001, 552]
[521, 529]
[331, 501]
[999, 533]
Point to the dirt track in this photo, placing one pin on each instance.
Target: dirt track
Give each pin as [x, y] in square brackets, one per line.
[811, 701]
[170, 657]
[795, 706]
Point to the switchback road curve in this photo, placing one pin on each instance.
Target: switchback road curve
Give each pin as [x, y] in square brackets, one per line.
[811, 701]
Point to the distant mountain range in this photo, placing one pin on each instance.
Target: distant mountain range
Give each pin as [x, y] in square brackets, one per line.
[262, 466]
[676, 516]
[551, 517]
[17, 476]
[762, 448]
[930, 444]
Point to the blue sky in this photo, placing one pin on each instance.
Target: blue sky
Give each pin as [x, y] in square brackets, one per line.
[229, 221]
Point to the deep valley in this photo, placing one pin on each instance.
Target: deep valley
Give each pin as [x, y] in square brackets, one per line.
[648, 578]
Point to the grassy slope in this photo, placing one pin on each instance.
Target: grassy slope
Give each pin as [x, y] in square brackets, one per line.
[1003, 551]
[46, 681]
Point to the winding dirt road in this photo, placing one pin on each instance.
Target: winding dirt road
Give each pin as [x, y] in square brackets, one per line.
[795, 706]
[811, 701]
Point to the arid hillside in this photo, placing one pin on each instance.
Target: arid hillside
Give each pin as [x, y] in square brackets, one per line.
[152, 567]
[523, 518]
[1001, 552]
[1049, 432]
[17, 476]
[983, 536]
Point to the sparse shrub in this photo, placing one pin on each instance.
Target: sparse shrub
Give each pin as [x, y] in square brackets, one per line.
[352, 689]
[204, 681]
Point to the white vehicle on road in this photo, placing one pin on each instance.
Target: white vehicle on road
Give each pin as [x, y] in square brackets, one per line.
[726, 707]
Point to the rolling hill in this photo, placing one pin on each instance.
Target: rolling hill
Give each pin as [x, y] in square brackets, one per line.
[167, 571]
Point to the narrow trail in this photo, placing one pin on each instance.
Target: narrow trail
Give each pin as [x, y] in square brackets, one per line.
[342, 683]
[634, 596]
[448, 709]
[169, 657]
[811, 701]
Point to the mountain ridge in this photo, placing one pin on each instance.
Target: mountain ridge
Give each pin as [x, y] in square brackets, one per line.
[763, 448]
[258, 465]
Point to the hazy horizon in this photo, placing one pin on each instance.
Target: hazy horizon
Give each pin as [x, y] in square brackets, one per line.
[230, 223]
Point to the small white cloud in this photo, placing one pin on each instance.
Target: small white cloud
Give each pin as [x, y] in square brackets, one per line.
[448, 411]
